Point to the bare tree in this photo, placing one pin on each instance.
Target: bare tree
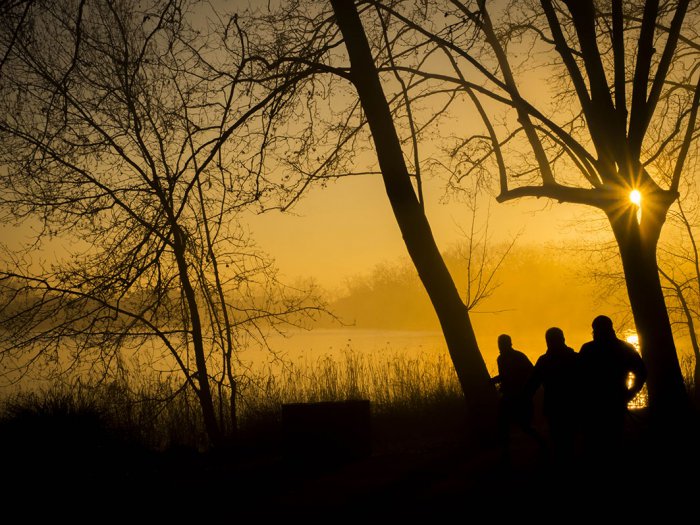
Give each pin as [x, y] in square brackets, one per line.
[15, 14]
[480, 259]
[679, 265]
[132, 133]
[408, 209]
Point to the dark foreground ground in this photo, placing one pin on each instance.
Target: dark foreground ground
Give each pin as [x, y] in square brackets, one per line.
[441, 479]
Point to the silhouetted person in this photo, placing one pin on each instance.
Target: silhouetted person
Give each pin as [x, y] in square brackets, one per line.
[516, 405]
[606, 363]
[558, 372]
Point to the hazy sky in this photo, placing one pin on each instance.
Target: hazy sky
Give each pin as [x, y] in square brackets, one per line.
[347, 228]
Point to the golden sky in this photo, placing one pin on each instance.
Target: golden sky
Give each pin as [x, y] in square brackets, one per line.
[348, 227]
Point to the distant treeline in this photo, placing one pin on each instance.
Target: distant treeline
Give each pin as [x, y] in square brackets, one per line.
[533, 289]
[531, 282]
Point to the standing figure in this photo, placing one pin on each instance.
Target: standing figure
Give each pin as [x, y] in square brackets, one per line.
[606, 365]
[557, 371]
[516, 407]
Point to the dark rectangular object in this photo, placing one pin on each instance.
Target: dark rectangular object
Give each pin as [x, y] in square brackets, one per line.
[327, 431]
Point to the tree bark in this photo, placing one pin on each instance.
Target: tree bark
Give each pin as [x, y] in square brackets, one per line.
[452, 313]
[637, 244]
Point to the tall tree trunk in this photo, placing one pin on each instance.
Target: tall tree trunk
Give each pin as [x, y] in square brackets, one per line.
[206, 401]
[454, 319]
[637, 244]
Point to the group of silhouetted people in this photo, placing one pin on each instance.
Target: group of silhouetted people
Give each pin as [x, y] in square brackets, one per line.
[585, 393]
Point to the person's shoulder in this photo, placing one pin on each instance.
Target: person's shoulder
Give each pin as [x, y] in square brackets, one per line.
[627, 344]
[587, 347]
[621, 343]
[523, 356]
[542, 360]
[628, 348]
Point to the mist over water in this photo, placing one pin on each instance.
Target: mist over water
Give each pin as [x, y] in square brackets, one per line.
[385, 314]
[534, 289]
[332, 343]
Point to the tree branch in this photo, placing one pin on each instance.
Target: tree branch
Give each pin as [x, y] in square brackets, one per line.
[687, 139]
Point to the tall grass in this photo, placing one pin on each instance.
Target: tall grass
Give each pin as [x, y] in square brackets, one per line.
[687, 363]
[153, 414]
[389, 382]
[156, 412]
[411, 397]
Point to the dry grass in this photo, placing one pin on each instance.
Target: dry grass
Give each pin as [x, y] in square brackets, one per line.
[155, 412]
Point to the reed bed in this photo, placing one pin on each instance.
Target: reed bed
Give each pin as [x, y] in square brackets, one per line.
[389, 381]
[154, 411]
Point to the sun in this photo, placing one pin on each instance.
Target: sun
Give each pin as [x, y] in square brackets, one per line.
[636, 197]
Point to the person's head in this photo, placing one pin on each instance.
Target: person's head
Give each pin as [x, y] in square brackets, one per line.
[554, 337]
[504, 343]
[603, 328]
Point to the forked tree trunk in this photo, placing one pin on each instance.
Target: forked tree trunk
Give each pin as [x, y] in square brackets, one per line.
[453, 315]
[637, 244]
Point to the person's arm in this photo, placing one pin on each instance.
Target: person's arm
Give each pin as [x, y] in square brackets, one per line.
[639, 370]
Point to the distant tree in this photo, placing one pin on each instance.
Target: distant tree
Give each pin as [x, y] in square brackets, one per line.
[132, 136]
[370, 299]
